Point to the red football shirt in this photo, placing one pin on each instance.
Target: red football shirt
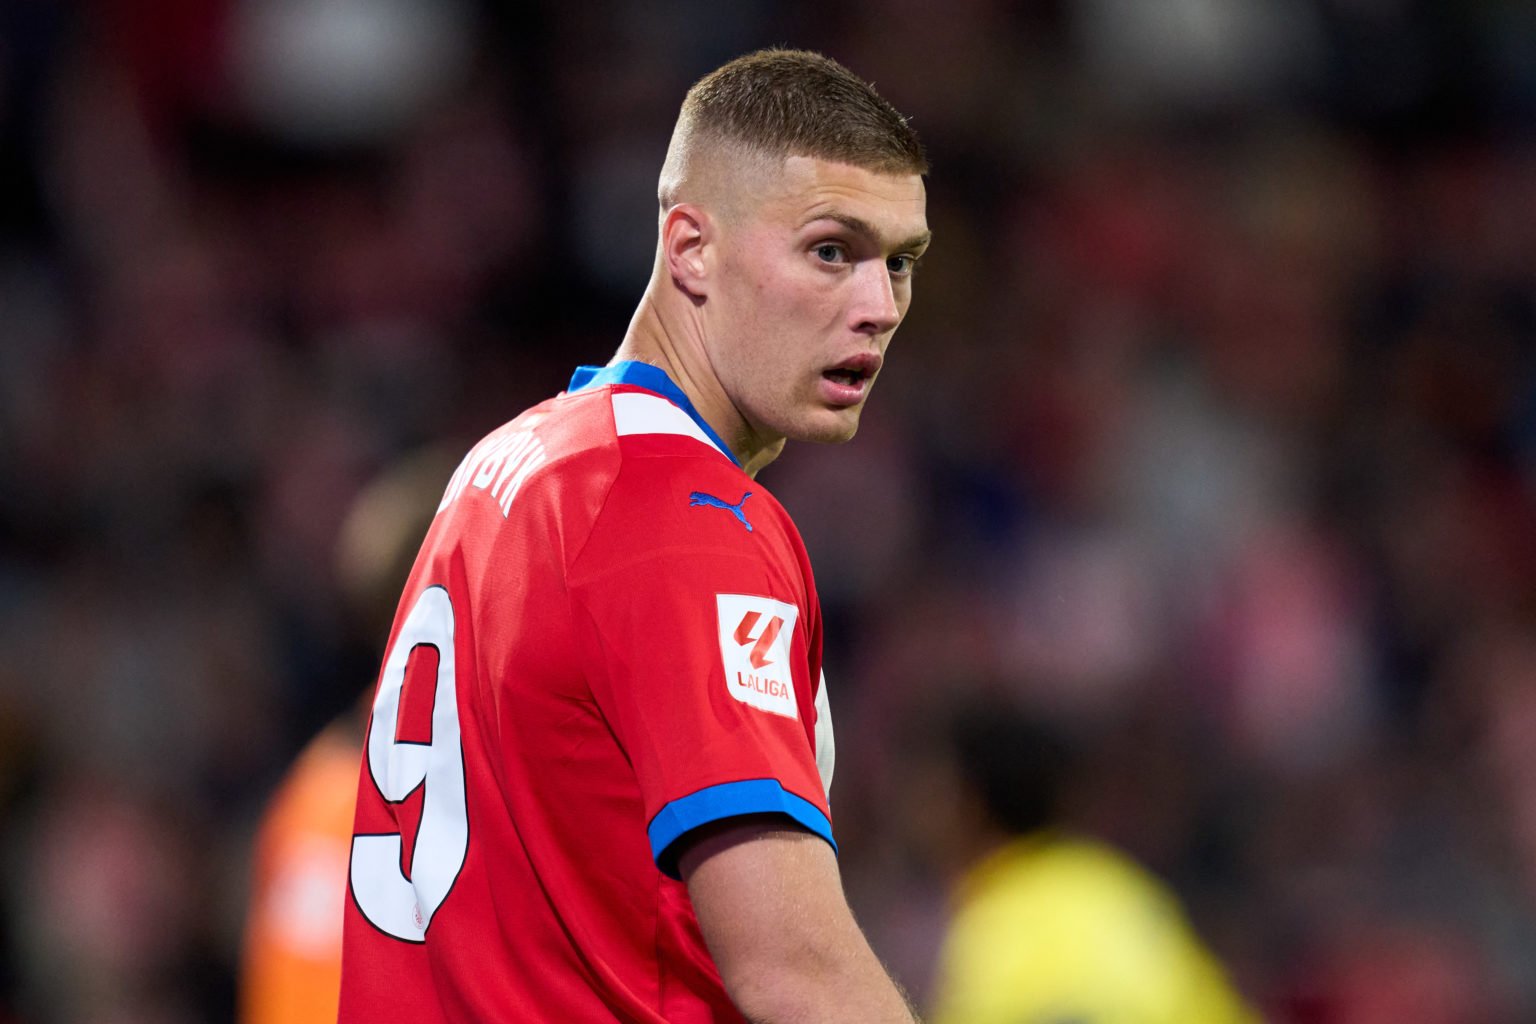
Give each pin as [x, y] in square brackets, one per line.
[611, 637]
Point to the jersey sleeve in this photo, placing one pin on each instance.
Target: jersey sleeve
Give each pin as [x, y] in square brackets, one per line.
[701, 642]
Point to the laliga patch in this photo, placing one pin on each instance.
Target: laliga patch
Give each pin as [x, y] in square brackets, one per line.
[755, 638]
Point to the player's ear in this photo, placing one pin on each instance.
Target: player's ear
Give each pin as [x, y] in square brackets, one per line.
[687, 232]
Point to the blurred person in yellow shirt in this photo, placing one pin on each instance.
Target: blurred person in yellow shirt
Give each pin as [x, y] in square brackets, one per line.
[1049, 927]
[291, 964]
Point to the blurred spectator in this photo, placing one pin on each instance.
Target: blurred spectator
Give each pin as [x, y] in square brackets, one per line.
[291, 970]
[1049, 924]
[109, 917]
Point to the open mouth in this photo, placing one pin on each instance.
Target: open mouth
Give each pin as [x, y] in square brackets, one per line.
[854, 372]
[846, 377]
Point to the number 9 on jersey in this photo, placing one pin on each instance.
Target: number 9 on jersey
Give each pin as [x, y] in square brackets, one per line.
[398, 905]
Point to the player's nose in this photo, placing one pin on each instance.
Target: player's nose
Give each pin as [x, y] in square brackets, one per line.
[875, 309]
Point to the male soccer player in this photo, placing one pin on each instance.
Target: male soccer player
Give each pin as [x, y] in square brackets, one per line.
[595, 783]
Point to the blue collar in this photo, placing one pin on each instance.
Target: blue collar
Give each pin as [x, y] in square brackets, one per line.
[651, 378]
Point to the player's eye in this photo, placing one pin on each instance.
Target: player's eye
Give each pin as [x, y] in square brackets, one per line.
[901, 266]
[831, 252]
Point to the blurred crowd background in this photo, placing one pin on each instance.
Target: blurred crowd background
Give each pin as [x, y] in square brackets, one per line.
[1211, 438]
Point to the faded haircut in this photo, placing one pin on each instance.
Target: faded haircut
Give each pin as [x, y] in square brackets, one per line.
[782, 103]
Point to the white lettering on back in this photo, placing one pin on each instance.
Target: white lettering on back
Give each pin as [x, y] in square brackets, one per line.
[498, 465]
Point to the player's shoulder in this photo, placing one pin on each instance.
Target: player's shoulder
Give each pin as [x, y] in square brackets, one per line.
[647, 415]
[674, 492]
[612, 422]
[633, 443]
[625, 456]
[669, 458]
[567, 436]
[682, 496]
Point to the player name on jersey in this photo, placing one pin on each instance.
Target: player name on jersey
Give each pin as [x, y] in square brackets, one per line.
[499, 464]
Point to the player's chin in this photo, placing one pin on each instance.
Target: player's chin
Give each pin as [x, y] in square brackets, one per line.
[830, 426]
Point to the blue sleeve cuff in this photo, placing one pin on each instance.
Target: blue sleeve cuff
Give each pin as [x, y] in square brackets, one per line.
[729, 800]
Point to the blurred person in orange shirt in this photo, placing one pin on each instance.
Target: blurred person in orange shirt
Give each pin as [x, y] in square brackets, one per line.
[291, 965]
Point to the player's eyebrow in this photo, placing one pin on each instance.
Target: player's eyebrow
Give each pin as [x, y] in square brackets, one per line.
[860, 226]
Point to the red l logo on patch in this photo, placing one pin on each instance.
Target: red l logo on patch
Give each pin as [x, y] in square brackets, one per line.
[770, 633]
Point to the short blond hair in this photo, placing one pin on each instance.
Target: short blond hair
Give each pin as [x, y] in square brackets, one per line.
[781, 103]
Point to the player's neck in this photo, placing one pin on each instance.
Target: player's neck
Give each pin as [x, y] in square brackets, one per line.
[676, 344]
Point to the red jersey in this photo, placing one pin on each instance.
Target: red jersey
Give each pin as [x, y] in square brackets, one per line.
[611, 637]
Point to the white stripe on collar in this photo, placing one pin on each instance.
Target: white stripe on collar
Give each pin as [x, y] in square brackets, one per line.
[636, 412]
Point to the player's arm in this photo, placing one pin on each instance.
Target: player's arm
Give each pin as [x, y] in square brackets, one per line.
[770, 903]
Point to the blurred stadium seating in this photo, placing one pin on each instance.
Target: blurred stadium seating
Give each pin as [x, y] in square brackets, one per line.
[1213, 427]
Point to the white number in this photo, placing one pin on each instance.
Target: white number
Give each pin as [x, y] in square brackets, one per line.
[396, 905]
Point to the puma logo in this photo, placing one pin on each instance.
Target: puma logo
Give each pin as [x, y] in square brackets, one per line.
[699, 498]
